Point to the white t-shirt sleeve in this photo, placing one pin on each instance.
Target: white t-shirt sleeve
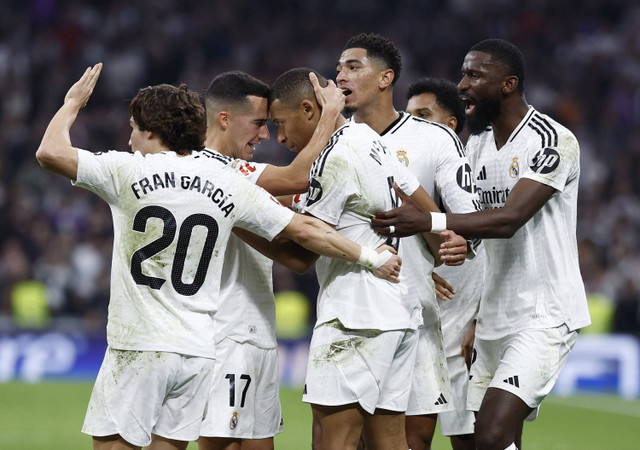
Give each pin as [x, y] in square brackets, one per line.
[555, 166]
[101, 172]
[330, 188]
[262, 213]
[250, 170]
[405, 180]
[455, 182]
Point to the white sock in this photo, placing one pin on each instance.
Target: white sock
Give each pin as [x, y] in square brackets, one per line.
[512, 447]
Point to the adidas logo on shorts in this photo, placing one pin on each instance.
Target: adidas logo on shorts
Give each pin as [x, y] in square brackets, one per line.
[441, 400]
[513, 381]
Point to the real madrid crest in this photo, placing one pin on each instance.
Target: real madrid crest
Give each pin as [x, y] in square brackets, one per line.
[514, 170]
[233, 423]
[402, 157]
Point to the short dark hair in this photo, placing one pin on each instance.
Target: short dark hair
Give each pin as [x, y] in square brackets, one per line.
[507, 53]
[446, 93]
[174, 113]
[378, 47]
[294, 86]
[233, 88]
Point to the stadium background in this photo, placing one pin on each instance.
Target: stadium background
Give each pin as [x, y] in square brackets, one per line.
[583, 68]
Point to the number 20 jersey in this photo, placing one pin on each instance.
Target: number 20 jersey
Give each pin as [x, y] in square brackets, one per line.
[172, 218]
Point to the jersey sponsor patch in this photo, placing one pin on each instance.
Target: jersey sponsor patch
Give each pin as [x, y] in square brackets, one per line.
[315, 192]
[464, 177]
[545, 161]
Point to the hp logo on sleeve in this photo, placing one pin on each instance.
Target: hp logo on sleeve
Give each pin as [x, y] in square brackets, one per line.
[545, 161]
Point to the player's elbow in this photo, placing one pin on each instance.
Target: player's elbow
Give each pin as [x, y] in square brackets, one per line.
[46, 156]
[509, 224]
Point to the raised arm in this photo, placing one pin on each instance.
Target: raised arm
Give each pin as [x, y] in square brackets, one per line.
[526, 198]
[56, 152]
[294, 178]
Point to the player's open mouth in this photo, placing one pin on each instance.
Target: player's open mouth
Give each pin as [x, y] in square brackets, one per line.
[469, 105]
[346, 91]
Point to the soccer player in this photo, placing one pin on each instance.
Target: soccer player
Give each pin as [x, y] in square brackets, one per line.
[245, 388]
[533, 298]
[173, 210]
[438, 100]
[368, 69]
[363, 344]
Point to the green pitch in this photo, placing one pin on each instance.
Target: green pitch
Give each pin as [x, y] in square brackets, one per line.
[49, 416]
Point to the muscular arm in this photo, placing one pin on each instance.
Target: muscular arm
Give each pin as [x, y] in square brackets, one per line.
[294, 178]
[526, 198]
[56, 152]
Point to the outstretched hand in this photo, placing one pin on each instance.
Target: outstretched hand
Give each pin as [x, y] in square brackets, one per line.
[406, 220]
[390, 270]
[80, 92]
[330, 98]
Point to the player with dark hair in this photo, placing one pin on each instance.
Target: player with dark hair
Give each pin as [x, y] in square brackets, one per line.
[173, 211]
[434, 154]
[533, 300]
[245, 386]
[363, 345]
[438, 100]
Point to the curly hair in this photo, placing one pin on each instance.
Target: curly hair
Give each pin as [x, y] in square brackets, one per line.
[378, 47]
[446, 93]
[175, 114]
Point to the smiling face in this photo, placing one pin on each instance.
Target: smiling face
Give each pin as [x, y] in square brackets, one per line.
[481, 89]
[247, 127]
[358, 77]
[294, 128]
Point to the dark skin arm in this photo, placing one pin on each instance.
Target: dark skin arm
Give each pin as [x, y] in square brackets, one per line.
[526, 199]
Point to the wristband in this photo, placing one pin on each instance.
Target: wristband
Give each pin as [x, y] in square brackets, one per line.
[371, 259]
[438, 222]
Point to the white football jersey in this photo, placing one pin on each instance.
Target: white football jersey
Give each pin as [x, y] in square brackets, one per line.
[532, 280]
[247, 311]
[350, 181]
[457, 314]
[435, 155]
[172, 219]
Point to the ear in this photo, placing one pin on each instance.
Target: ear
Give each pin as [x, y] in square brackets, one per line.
[223, 119]
[308, 108]
[386, 78]
[452, 123]
[510, 84]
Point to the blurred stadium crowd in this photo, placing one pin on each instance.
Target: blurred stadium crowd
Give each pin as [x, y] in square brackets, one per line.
[583, 68]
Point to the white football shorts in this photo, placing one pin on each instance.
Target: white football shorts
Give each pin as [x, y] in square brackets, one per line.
[369, 367]
[244, 402]
[138, 393]
[461, 420]
[430, 386]
[526, 363]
